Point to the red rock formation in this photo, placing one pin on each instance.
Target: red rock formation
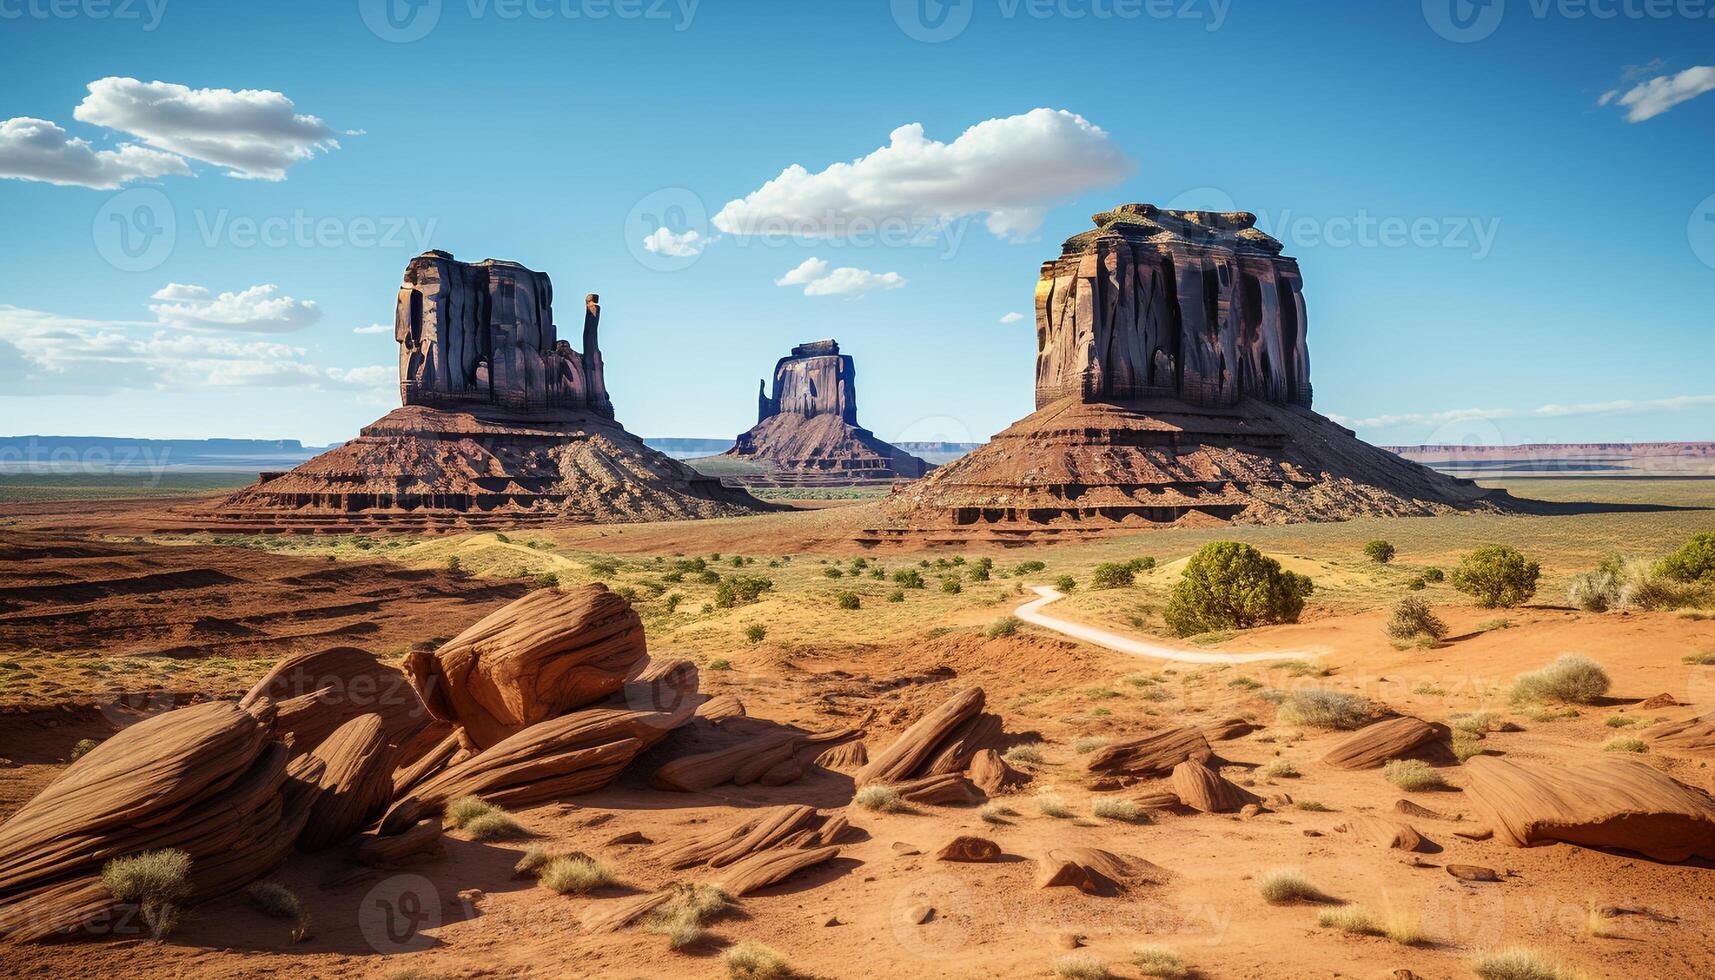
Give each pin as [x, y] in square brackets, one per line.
[1155, 754]
[1092, 870]
[356, 782]
[807, 433]
[1384, 741]
[1172, 385]
[918, 746]
[1623, 804]
[1201, 788]
[316, 693]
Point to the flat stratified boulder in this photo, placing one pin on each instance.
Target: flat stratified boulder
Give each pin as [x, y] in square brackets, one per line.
[794, 825]
[947, 789]
[967, 849]
[1091, 870]
[356, 782]
[918, 746]
[532, 660]
[990, 772]
[1619, 804]
[1155, 754]
[770, 867]
[748, 751]
[1201, 788]
[1694, 736]
[1384, 833]
[849, 757]
[1384, 741]
[316, 693]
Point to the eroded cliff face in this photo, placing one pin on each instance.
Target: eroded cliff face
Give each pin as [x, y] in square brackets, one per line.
[483, 334]
[1196, 305]
[814, 380]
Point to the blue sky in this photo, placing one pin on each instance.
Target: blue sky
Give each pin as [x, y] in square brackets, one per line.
[1504, 228]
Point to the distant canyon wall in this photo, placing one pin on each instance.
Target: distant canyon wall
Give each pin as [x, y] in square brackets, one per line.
[814, 380]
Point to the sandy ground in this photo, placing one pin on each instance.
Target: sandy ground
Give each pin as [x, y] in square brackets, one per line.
[820, 672]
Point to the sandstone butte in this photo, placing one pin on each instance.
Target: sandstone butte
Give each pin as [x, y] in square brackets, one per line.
[807, 431]
[1172, 388]
[501, 424]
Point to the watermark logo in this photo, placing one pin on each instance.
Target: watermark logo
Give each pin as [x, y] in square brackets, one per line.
[1464, 21]
[146, 12]
[135, 230]
[667, 230]
[1700, 231]
[397, 913]
[400, 21]
[933, 21]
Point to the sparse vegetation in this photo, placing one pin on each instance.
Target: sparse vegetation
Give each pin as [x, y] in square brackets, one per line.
[897, 595]
[1111, 575]
[1229, 585]
[1283, 886]
[1025, 754]
[683, 917]
[881, 799]
[1519, 963]
[1702, 658]
[1571, 680]
[1027, 567]
[1379, 551]
[848, 600]
[1279, 769]
[1694, 561]
[910, 578]
[273, 899]
[1065, 583]
[481, 820]
[1413, 618]
[1050, 805]
[1625, 743]
[720, 663]
[951, 585]
[1349, 918]
[532, 861]
[1086, 744]
[1080, 966]
[1321, 708]
[751, 960]
[755, 633]
[996, 813]
[1412, 775]
[83, 748]
[1004, 627]
[1159, 961]
[155, 882]
[575, 874]
[1497, 576]
[1116, 808]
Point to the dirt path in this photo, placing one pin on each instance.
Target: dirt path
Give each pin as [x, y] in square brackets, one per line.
[1031, 612]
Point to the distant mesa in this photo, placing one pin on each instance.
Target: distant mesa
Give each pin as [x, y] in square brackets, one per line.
[1172, 387]
[502, 424]
[807, 433]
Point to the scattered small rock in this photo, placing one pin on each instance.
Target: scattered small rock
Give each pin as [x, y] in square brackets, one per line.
[905, 850]
[634, 837]
[1069, 940]
[471, 896]
[920, 914]
[1472, 872]
[968, 849]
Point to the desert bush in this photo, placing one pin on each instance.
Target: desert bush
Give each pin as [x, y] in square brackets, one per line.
[951, 585]
[1619, 721]
[996, 813]
[1026, 567]
[1229, 585]
[1379, 551]
[980, 569]
[1466, 745]
[682, 918]
[604, 566]
[467, 808]
[897, 595]
[910, 578]
[720, 663]
[1311, 806]
[1085, 744]
[1702, 658]
[494, 826]
[575, 874]
[1279, 769]
[1141, 565]
[1598, 590]
[848, 600]
[1321, 708]
[1053, 806]
[1158, 961]
[1693, 562]
[1004, 627]
[1349, 918]
[756, 633]
[1111, 575]
[1625, 743]
[880, 798]
[832, 572]
[548, 580]
[154, 881]
[710, 577]
[1571, 679]
[83, 747]
[454, 565]
[1115, 808]
[1065, 583]
[1080, 966]
[1412, 618]
[1434, 575]
[1519, 963]
[1025, 754]
[274, 899]
[1412, 775]
[1497, 576]
[1283, 886]
[750, 960]
[532, 861]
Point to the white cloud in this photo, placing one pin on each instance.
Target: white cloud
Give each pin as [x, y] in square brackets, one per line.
[44, 353]
[1012, 318]
[818, 280]
[691, 243]
[254, 310]
[1011, 170]
[374, 328]
[808, 271]
[1651, 98]
[36, 149]
[255, 133]
[1622, 406]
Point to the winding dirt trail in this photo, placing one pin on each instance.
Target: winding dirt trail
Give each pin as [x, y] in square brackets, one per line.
[1031, 612]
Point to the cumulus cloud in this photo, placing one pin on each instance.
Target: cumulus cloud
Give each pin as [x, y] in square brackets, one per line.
[44, 353]
[691, 243]
[1621, 406]
[818, 280]
[258, 309]
[374, 328]
[1009, 170]
[1652, 97]
[36, 149]
[1012, 318]
[254, 133]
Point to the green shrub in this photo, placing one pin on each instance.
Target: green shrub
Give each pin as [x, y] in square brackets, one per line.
[1434, 575]
[604, 566]
[575, 874]
[1625, 743]
[1080, 966]
[273, 899]
[1412, 775]
[1159, 961]
[1412, 618]
[83, 747]
[154, 881]
[1571, 679]
[1497, 576]
[1026, 567]
[749, 960]
[1230, 585]
[1065, 583]
[832, 572]
[848, 600]
[755, 633]
[1693, 562]
[911, 578]
[674, 600]
[1141, 565]
[1004, 627]
[1598, 590]
[1379, 551]
[951, 586]
[1321, 708]
[454, 565]
[897, 595]
[720, 663]
[548, 580]
[1111, 575]
[1284, 886]
[979, 570]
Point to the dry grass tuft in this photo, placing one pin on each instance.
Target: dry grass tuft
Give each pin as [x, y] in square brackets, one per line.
[1080, 966]
[1570, 680]
[1283, 886]
[575, 874]
[881, 799]
[1519, 963]
[750, 960]
[1322, 708]
[1158, 961]
[1116, 808]
[1412, 775]
[684, 915]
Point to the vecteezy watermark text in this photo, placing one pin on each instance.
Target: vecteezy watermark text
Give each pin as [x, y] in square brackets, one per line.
[1467, 21]
[402, 21]
[147, 12]
[303, 230]
[934, 21]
